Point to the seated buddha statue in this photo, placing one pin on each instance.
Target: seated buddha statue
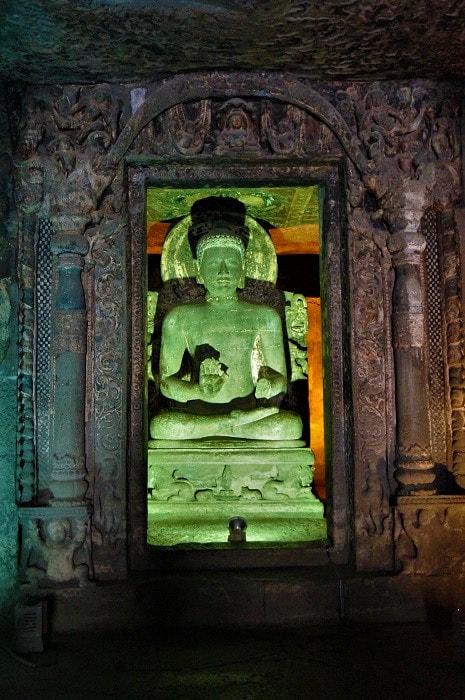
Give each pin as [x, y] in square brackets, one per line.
[222, 362]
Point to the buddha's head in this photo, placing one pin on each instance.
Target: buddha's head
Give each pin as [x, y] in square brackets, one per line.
[220, 264]
[218, 237]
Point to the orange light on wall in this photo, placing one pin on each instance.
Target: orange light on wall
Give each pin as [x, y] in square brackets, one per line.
[156, 232]
[315, 392]
[296, 240]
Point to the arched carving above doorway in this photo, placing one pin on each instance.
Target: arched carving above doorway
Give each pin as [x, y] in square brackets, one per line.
[192, 88]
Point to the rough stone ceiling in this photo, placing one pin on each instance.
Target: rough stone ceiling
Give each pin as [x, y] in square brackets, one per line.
[45, 41]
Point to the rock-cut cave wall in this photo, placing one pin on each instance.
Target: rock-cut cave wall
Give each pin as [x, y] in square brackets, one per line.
[394, 151]
[8, 367]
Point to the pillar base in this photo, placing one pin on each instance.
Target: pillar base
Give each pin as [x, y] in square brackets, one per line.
[415, 477]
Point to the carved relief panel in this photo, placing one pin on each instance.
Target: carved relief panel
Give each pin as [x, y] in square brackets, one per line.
[394, 151]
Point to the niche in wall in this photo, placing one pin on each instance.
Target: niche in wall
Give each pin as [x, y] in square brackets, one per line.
[291, 215]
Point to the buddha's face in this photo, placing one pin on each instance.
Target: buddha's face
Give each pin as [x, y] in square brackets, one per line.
[221, 270]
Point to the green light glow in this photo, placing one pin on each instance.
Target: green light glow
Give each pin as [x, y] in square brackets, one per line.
[199, 483]
[281, 206]
[171, 524]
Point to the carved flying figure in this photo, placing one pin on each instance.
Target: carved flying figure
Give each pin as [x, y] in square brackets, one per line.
[189, 134]
[94, 111]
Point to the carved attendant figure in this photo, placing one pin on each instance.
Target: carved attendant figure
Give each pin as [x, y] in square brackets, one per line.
[237, 373]
[57, 552]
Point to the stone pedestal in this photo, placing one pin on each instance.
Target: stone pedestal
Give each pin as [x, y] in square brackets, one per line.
[196, 488]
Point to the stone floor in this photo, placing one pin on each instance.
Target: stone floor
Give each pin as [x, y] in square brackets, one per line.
[345, 661]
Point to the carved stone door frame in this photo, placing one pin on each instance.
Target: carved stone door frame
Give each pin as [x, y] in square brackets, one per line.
[335, 304]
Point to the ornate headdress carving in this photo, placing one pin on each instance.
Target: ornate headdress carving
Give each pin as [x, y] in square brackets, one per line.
[217, 239]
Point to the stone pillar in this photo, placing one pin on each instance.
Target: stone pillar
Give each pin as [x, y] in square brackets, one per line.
[415, 468]
[68, 472]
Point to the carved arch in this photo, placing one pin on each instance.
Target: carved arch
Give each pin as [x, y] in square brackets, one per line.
[191, 87]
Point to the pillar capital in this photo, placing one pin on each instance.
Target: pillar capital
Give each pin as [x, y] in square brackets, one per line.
[69, 224]
[406, 247]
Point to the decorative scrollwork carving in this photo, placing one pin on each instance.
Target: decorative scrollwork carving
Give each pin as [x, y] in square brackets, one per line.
[108, 332]
[371, 269]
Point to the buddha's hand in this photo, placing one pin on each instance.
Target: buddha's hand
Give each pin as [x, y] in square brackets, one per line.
[211, 377]
[264, 389]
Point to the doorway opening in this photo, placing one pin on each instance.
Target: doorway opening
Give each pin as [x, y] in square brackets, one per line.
[292, 216]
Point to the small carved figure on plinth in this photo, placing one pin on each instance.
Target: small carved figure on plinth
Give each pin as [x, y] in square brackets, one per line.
[56, 548]
[297, 328]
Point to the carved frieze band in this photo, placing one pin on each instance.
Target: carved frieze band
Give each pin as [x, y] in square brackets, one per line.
[237, 125]
[109, 396]
[26, 463]
[455, 340]
[372, 391]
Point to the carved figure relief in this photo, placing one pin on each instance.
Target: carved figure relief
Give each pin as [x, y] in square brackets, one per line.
[297, 329]
[237, 128]
[108, 514]
[91, 111]
[55, 553]
[276, 482]
[189, 134]
[428, 537]
[285, 134]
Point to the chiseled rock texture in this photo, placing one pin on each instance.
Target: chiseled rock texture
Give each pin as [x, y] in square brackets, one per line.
[91, 40]
[8, 385]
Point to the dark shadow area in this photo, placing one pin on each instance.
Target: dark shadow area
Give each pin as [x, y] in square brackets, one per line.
[299, 274]
[445, 481]
[350, 661]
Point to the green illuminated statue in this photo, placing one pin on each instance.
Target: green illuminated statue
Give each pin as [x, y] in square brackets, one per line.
[235, 375]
